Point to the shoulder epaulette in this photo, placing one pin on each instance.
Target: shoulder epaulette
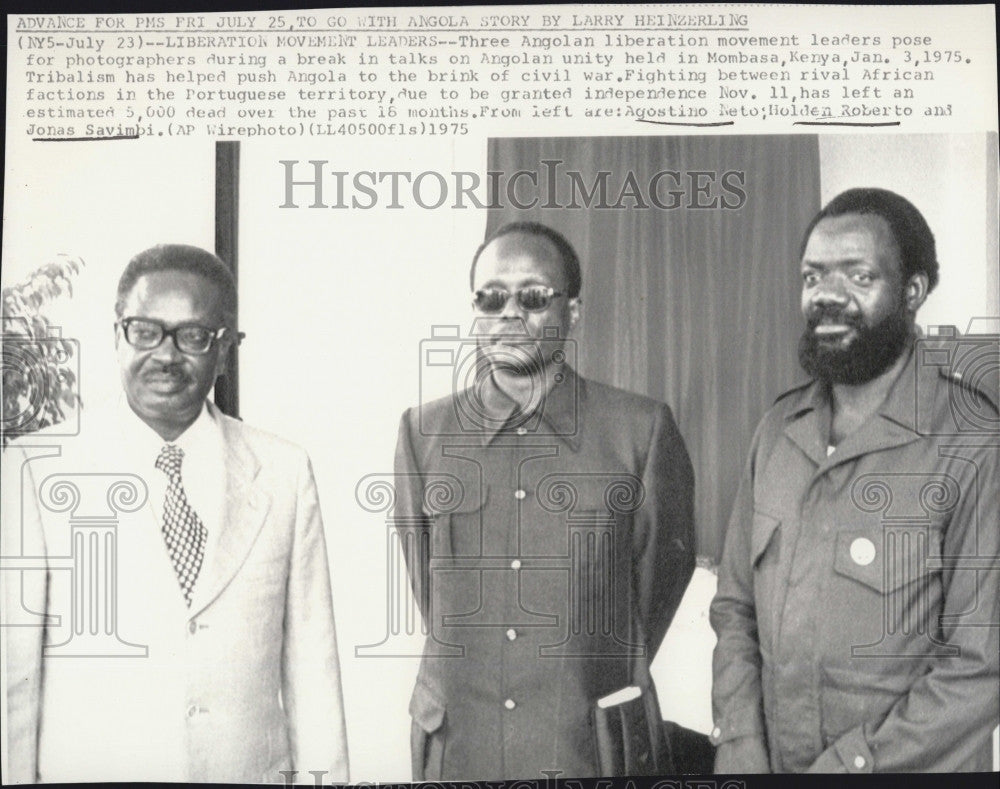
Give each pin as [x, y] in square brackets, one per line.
[984, 386]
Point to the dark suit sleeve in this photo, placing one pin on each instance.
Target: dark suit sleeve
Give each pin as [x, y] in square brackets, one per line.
[737, 700]
[664, 529]
[412, 524]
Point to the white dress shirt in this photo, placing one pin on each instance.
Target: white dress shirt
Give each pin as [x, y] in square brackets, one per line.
[203, 472]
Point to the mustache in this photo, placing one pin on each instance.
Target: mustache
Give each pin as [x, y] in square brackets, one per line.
[175, 368]
[832, 314]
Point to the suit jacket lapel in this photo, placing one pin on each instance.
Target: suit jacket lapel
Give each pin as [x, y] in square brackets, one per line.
[246, 508]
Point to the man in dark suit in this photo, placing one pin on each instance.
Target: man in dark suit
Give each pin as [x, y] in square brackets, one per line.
[548, 521]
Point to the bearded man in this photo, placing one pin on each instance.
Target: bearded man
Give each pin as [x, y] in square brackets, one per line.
[858, 595]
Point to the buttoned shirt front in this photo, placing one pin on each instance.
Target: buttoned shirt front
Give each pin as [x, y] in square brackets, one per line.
[557, 547]
[858, 593]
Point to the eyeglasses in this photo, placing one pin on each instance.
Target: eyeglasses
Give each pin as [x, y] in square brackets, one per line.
[146, 334]
[533, 298]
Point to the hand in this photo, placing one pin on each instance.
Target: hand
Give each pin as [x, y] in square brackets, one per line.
[742, 755]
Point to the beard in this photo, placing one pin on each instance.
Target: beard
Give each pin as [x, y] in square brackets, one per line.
[871, 353]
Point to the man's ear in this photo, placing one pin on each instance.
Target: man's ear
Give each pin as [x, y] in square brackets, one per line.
[223, 358]
[917, 287]
[575, 311]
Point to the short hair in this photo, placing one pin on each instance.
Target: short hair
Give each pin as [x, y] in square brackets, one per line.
[568, 256]
[180, 257]
[913, 236]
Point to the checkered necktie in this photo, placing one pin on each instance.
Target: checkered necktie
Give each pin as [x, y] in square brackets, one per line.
[182, 528]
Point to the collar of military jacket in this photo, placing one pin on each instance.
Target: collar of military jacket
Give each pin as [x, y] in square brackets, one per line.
[560, 409]
[894, 423]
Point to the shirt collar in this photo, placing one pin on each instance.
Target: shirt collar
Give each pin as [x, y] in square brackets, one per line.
[560, 408]
[203, 433]
[899, 404]
[893, 424]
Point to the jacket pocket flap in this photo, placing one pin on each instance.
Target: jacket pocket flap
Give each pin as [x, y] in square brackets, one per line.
[762, 531]
[448, 495]
[607, 494]
[426, 710]
[886, 561]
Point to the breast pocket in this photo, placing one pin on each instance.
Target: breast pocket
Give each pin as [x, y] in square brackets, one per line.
[887, 560]
[457, 525]
[602, 503]
[887, 588]
[456, 551]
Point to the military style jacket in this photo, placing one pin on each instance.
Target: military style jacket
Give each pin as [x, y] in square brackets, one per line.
[859, 593]
[548, 553]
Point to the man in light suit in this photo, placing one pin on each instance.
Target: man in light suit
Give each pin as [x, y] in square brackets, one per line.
[188, 636]
[549, 528]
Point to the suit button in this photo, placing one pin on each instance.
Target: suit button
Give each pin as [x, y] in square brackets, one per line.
[515, 565]
[192, 710]
[511, 634]
[193, 627]
[519, 494]
[509, 704]
[522, 431]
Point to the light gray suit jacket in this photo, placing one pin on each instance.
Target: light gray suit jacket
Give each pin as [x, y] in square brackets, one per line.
[120, 680]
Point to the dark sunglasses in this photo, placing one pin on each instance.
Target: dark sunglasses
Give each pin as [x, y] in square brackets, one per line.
[146, 334]
[533, 298]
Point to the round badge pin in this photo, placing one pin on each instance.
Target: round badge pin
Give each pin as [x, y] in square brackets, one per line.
[863, 551]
